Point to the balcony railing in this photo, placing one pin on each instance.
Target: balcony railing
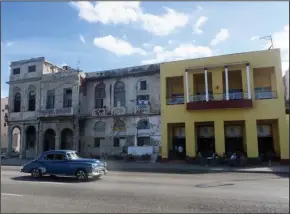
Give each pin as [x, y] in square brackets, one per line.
[55, 112]
[99, 112]
[175, 100]
[261, 95]
[118, 110]
[142, 109]
[218, 97]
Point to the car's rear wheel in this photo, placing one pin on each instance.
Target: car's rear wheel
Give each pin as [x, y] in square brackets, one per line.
[36, 173]
[81, 175]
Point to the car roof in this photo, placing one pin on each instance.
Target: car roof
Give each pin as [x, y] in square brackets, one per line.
[59, 150]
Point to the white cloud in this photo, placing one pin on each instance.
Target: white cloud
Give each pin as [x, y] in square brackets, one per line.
[82, 39]
[254, 38]
[199, 8]
[117, 46]
[183, 51]
[165, 24]
[9, 43]
[170, 42]
[128, 12]
[221, 36]
[124, 37]
[108, 12]
[147, 45]
[199, 23]
[281, 40]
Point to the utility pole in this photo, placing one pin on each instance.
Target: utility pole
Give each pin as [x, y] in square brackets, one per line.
[269, 38]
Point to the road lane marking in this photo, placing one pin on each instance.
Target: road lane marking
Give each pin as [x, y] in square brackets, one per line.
[10, 194]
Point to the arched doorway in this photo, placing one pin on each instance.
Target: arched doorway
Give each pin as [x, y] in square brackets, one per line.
[49, 140]
[16, 136]
[66, 139]
[30, 141]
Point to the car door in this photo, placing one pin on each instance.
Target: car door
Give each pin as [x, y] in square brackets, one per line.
[60, 164]
[47, 162]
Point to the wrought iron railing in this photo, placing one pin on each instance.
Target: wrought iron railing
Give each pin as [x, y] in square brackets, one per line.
[261, 95]
[55, 112]
[121, 110]
[142, 109]
[99, 112]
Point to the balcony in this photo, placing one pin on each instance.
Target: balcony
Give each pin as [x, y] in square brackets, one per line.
[99, 112]
[121, 110]
[263, 95]
[219, 101]
[55, 112]
[142, 109]
[175, 100]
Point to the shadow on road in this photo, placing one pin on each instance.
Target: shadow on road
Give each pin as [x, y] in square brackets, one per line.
[50, 179]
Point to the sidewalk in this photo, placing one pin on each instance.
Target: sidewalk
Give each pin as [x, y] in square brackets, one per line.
[171, 167]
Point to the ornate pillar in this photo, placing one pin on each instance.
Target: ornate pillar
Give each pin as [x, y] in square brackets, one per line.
[22, 142]
[76, 135]
[187, 87]
[227, 82]
[249, 81]
[36, 143]
[10, 141]
[57, 142]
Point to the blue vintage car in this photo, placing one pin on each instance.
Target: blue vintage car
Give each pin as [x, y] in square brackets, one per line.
[65, 163]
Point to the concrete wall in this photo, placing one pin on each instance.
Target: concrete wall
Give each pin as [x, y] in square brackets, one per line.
[4, 125]
[286, 84]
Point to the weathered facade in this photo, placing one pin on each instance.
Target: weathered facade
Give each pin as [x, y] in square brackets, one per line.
[43, 106]
[121, 108]
[93, 113]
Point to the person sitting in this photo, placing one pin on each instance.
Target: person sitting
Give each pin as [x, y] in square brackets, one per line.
[233, 159]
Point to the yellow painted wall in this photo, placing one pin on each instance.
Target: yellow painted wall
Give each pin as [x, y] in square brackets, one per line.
[262, 109]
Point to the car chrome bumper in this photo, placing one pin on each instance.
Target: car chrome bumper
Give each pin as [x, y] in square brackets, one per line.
[98, 172]
[21, 169]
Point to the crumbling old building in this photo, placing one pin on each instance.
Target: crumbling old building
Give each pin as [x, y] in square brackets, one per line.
[93, 113]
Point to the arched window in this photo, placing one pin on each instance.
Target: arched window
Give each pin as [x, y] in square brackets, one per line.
[100, 126]
[143, 124]
[31, 101]
[100, 94]
[119, 126]
[17, 102]
[119, 94]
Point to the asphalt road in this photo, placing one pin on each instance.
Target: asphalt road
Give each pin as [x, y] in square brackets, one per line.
[124, 192]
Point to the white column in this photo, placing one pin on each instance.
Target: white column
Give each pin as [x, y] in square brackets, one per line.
[227, 82]
[10, 141]
[187, 87]
[248, 81]
[23, 142]
[206, 84]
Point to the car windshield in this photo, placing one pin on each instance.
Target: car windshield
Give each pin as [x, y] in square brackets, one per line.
[72, 156]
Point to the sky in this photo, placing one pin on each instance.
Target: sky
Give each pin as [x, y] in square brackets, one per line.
[105, 35]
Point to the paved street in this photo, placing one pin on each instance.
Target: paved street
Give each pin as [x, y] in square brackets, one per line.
[122, 192]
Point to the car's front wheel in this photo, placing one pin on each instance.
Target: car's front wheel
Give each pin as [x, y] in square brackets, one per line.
[36, 173]
[82, 175]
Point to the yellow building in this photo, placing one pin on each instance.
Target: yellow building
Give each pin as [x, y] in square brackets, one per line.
[224, 104]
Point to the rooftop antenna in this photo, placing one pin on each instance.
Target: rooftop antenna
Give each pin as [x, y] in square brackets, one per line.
[78, 66]
[269, 38]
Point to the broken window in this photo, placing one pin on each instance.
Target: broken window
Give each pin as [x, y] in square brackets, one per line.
[31, 68]
[143, 85]
[143, 124]
[100, 126]
[17, 102]
[143, 141]
[31, 101]
[50, 99]
[16, 71]
[67, 98]
[100, 94]
[119, 94]
[142, 100]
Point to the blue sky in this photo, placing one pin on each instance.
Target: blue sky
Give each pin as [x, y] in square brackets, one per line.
[107, 35]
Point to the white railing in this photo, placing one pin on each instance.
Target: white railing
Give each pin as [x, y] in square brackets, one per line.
[235, 96]
[175, 100]
[142, 109]
[118, 110]
[261, 95]
[199, 98]
[56, 112]
[99, 112]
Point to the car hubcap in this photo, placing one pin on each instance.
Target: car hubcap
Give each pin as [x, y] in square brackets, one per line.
[81, 175]
[35, 173]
